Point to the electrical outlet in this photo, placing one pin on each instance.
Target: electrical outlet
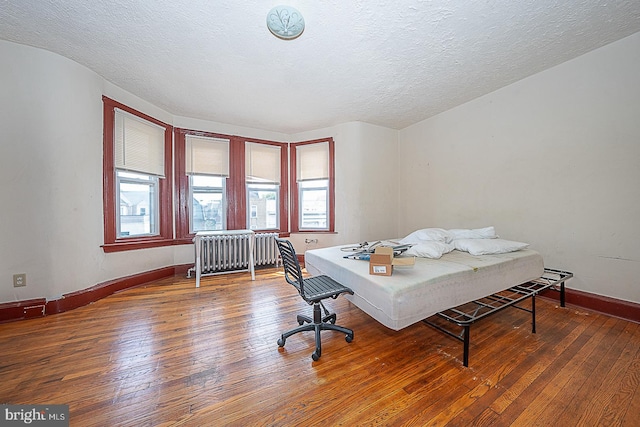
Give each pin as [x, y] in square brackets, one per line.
[19, 280]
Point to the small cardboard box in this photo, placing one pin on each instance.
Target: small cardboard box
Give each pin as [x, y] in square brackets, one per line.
[382, 261]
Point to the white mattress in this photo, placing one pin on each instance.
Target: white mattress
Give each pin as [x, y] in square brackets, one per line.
[411, 294]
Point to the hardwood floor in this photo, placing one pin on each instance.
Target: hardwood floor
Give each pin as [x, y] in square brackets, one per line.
[168, 354]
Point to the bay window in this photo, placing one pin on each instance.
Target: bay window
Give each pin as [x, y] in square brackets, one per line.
[223, 182]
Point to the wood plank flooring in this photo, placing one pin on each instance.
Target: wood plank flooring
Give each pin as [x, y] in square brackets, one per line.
[168, 354]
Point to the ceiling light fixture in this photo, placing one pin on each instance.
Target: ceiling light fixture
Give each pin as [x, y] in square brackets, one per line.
[285, 22]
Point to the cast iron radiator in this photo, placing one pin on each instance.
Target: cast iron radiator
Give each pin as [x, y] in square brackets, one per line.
[227, 251]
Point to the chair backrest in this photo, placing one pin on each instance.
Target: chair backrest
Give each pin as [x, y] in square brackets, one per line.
[292, 271]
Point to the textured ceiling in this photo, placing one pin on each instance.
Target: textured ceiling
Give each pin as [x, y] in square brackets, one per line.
[391, 63]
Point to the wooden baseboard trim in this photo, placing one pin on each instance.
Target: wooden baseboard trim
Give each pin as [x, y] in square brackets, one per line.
[39, 307]
[611, 306]
[20, 310]
[101, 290]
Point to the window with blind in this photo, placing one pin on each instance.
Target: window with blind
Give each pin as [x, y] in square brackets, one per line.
[139, 163]
[137, 166]
[313, 184]
[263, 166]
[207, 165]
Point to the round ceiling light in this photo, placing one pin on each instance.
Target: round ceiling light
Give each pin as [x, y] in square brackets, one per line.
[285, 22]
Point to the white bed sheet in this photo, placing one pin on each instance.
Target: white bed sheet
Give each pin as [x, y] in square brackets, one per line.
[411, 294]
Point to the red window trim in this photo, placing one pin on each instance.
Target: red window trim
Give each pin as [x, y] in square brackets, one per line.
[295, 226]
[235, 187]
[284, 188]
[111, 242]
[182, 182]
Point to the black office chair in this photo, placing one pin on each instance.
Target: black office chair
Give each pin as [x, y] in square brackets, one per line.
[313, 290]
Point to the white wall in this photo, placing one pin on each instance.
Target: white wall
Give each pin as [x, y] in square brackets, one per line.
[49, 147]
[51, 179]
[553, 160]
[366, 196]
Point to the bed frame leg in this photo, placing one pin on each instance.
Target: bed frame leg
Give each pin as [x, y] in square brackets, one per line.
[465, 356]
[533, 314]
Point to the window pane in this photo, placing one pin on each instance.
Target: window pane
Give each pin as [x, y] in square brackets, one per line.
[134, 176]
[138, 204]
[263, 202]
[207, 181]
[207, 203]
[314, 202]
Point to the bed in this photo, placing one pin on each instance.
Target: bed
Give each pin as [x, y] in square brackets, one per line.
[437, 286]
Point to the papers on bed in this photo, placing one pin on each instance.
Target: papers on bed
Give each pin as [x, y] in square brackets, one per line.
[363, 251]
[383, 256]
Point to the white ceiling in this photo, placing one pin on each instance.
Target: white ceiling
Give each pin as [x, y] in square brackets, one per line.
[390, 63]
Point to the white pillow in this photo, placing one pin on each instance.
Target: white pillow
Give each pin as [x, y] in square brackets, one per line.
[475, 233]
[427, 235]
[488, 246]
[430, 249]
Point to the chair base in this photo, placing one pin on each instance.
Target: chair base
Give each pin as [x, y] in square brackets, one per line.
[317, 324]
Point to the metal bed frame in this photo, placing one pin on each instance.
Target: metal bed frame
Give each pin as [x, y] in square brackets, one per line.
[466, 314]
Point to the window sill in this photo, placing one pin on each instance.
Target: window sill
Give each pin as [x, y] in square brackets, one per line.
[136, 244]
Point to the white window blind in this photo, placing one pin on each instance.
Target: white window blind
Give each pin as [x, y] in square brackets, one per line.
[262, 163]
[207, 156]
[312, 161]
[139, 144]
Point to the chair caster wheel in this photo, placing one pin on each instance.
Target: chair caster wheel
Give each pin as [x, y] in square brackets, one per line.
[315, 356]
[280, 342]
[348, 338]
